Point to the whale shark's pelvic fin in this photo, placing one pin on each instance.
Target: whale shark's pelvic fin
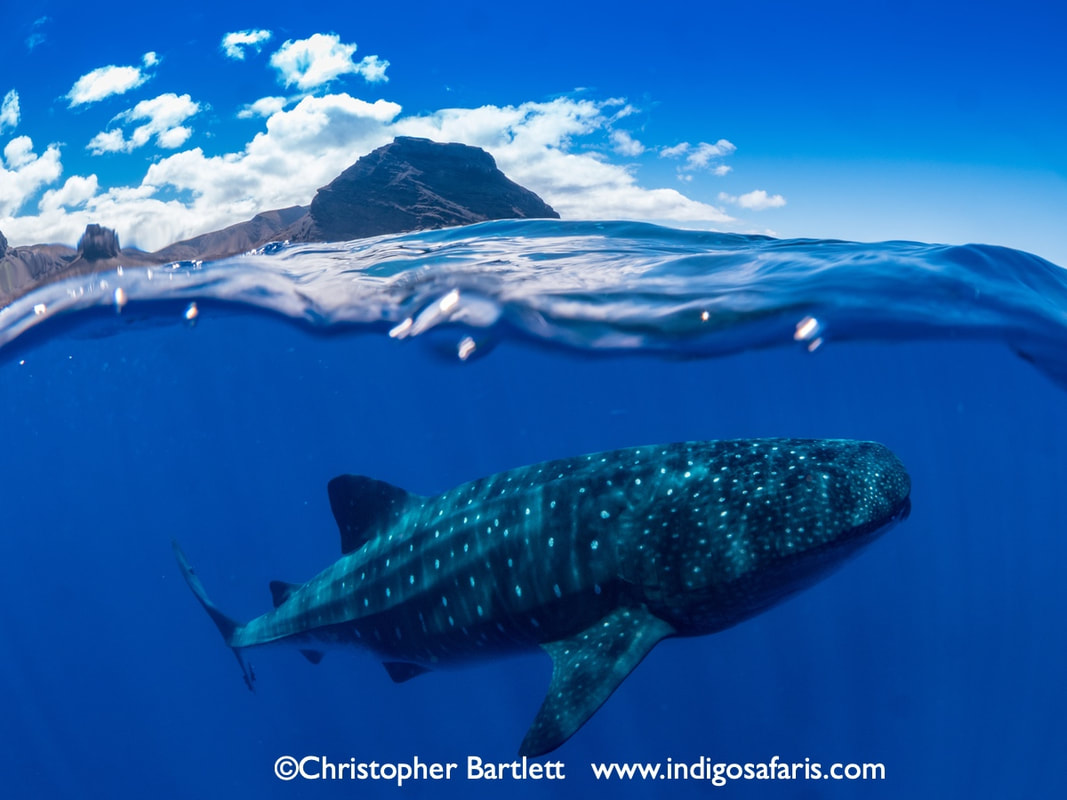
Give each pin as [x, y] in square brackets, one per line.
[587, 668]
[226, 626]
[401, 671]
[364, 506]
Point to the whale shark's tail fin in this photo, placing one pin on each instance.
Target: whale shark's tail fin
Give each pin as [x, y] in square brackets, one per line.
[227, 626]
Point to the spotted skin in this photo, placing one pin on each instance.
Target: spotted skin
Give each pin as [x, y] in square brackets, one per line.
[594, 558]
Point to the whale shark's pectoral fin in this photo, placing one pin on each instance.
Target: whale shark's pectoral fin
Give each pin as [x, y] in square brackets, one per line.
[586, 669]
[364, 506]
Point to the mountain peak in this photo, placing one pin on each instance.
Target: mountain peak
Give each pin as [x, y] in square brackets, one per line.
[416, 184]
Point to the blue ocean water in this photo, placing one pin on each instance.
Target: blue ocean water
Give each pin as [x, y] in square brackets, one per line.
[211, 403]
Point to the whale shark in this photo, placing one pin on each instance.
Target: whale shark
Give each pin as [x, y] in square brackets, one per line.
[593, 559]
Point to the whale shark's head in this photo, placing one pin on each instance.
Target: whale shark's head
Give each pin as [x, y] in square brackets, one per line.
[770, 517]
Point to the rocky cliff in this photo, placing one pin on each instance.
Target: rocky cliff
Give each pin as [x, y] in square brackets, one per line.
[415, 184]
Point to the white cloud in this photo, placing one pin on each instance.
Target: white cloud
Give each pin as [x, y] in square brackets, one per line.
[675, 151]
[172, 138]
[542, 145]
[702, 156]
[164, 116]
[320, 59]
[9, 111]
[19, 152]
[107, 81]
[111, 141]
[76, 191]
[625, 145]
[623, 112]
[373, 69]
[234, 44]
[263, 107]
[23, 173]
[757, 200]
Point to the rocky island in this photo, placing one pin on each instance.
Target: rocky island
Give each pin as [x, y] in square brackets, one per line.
[408, 185]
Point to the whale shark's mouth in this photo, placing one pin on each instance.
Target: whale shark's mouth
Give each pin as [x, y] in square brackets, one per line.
[873, 530]
[903, 512]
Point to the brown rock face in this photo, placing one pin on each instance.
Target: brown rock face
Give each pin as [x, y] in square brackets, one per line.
[235, 239]
[98, 243]
[415, 184]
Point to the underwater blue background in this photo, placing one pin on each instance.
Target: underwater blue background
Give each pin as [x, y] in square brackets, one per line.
[938, 651]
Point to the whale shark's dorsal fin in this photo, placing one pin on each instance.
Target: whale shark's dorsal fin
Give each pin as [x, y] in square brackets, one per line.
[587, 668]
[363, 507]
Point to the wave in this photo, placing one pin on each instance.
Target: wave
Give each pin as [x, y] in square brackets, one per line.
[600, 287]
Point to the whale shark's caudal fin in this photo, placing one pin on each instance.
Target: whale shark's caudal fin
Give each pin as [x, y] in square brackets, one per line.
[226, 626]
[586, 669]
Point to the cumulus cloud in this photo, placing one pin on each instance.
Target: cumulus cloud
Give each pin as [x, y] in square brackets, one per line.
[9, 111]
[373, 69]
[703, 156]
[263, 107]
[625, 145]
[546, 146]
[322, 58]
[75, 192]
[234, 44]
[112, 141]
[23, 173]
[757, 200]
[19, 152]
[164, 117]
[111, 80]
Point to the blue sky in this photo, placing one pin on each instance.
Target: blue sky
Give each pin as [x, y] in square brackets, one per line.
[876, 120]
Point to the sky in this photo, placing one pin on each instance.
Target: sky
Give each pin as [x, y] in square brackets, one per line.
[870, 121]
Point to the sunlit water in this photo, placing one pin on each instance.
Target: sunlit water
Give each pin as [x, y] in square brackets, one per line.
[183, 402]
